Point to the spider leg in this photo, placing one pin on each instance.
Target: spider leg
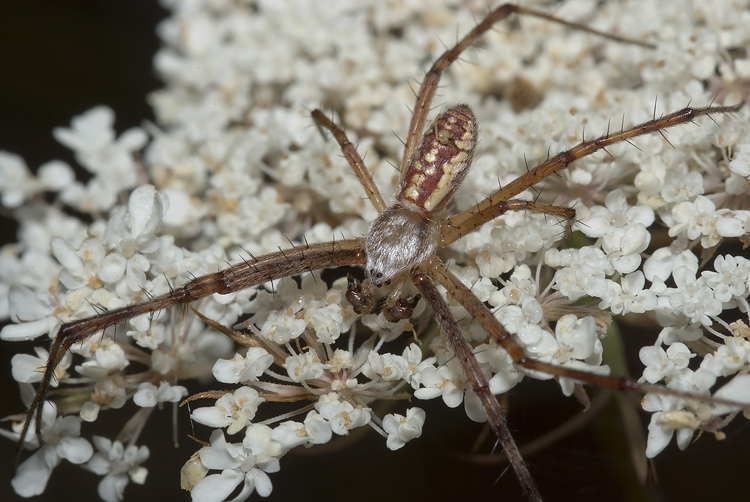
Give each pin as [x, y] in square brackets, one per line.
[438, 271]
[235, 278]
[354, 160]
[462, 350]
[459, 225]
[503, 206]
[432, 78]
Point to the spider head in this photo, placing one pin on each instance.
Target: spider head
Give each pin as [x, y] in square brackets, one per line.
[376, 278]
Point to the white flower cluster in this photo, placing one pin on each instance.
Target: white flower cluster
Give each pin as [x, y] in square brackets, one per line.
[234, 166]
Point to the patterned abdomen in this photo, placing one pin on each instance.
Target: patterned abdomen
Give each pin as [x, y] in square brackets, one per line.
[441, 162]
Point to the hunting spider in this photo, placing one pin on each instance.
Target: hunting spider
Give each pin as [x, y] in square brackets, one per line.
[481, 358]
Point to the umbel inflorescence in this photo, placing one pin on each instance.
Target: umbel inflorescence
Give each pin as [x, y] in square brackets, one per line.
[236, 170]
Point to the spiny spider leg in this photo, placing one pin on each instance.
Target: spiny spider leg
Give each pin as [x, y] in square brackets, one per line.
[463, 351]
[492, 206]
[479, 311]
[429, 86]
[243, 275]
[354, 160]
[432, 78]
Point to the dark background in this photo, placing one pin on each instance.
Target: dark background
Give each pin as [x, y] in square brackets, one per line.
[60, 58]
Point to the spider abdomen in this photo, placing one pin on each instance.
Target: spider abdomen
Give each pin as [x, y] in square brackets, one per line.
[441, 162]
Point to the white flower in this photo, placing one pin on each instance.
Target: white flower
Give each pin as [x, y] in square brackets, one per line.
[247, 368]
[741, 163]
[327, 322]
[521, 234]
[150, 338]
[29, 369]
[664, 260]
[118, 465]
[737, 390]
[314, 430]
[692, 298]
[670, 418]
[629, 296]
[730, 279]
[662, 427]
[76, 273]
[385, 366]
[402, 429]
[112, 162]
[108, 391]
[131, 232]
[109, 358]
[579, 347]
[243, 463]
[61, 441]
[441, 381]
[413, 357]
[516, 289]
[256, 213]
[282, 326]
[149, 396]
[259, 442]
[581, 272]
[290, 434]
[341, 414]
[698, 219]
[729, 358]
[679, 187]
[25, 305]
[664, 365]
[624, 246]
[577, 338]
[305, 366]
[17, 184]
[341, 360]
[622, 229]
[499, 362]
[232, 410]
[317, 428]
[615, 214]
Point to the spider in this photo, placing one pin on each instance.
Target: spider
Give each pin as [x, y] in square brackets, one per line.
[423, 266]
